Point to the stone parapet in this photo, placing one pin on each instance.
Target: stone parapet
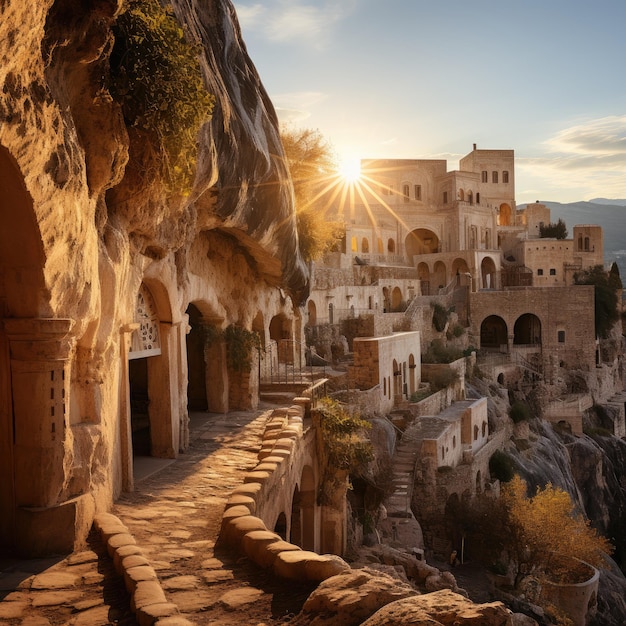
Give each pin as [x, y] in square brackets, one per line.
[242, 525]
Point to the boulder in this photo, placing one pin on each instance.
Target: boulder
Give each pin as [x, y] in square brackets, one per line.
[351, 597]
[441, 607]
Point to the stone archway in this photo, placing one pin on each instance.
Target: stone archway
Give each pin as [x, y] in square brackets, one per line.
[493, 333]
[307, 508]
[423, 273]
[505, 215]
[439, 275]
[152, 420]
[32, 458]
[311, 313]
[421, 241]
[396, 299]
[488, 273]
[281, 333]
[527, 330]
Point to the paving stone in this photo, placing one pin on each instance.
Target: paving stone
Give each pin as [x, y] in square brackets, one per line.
[55, 580]
[181, 583]
[55, 598]
[238, 598]
[217, 576]
[193, 601]
[98, 616]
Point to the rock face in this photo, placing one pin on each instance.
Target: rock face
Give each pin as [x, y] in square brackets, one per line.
[103, 273]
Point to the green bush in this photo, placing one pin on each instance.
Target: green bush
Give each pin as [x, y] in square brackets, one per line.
[519, 411]
[443, 378]
[440, 316]
[439, 352]
[501, 466]
[343, 443]
[155, 75]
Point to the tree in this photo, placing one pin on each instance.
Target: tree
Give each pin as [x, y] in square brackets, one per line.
[556, 230]
[605, 296]
[313, 168]
[545, 528]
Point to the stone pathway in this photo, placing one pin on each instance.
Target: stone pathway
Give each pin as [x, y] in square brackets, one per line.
[175, 517]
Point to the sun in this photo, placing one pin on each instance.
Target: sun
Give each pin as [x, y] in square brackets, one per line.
[349, 169]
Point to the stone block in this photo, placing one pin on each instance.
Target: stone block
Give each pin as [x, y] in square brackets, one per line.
[122, 552]
[153, 614]
[234, 530]
[134, 575]
[117, 541]
[146, 593]
[241, 500]
[266, 557]
[254, 545]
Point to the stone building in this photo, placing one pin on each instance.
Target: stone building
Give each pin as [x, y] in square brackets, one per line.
[113, 291]
[418, 234]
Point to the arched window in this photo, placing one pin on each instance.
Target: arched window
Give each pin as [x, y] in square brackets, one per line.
[391, 246]
[505, 176]
[405, 192]
[365, 245]
[494, 177]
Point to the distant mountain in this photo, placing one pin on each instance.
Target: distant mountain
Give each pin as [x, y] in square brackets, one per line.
[607, 201]
[610, 214]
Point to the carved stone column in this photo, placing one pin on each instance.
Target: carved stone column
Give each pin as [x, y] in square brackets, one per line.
[40, 351]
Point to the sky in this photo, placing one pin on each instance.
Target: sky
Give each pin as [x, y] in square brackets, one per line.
[422, 79]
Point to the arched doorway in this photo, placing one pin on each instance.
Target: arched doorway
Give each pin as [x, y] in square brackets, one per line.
[196, 365]
[439, 275]
[527, 330]
[421, 241]
[23, 299]
[493, 333]
[423, 273]
[488, 273]
[412, 375]
[396, 299]
[280, 332]
[505, 215]
[154, 428]
[295, 531]
[307, 508]
[311, 313]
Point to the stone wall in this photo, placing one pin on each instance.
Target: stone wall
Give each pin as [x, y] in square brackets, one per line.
[558, 309]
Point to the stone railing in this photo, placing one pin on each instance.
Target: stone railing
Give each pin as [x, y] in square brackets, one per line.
[242, 525]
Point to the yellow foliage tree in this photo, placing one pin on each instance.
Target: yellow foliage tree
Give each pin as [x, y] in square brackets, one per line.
[313, 168]
[545, 528]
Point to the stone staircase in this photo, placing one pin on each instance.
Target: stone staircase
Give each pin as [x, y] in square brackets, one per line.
[403, 467]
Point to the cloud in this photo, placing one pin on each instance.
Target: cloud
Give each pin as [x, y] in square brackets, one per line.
[295, 107]
[605, 137]
[285, 21]
[587, 159]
